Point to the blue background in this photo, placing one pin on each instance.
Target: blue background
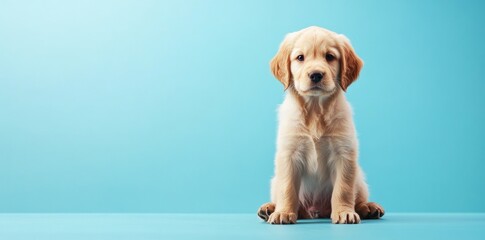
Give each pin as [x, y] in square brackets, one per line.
[153, 106]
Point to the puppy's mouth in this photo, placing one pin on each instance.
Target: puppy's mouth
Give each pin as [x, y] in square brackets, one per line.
[317, 91]
[315, 88]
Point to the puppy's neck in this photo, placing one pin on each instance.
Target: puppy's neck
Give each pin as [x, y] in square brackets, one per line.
[318, 111]
[323, 105]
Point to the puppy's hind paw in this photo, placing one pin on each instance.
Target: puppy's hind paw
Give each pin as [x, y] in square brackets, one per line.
[266, 210]
[370, 210]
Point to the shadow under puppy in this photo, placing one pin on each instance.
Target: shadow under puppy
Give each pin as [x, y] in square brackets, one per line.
[317, 174]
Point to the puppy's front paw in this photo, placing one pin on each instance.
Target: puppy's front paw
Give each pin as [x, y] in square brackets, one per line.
[345, 217]
[282, 218]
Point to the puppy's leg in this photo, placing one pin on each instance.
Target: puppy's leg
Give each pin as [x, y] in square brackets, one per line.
[286, 197]
[289, 163]
[343, 195]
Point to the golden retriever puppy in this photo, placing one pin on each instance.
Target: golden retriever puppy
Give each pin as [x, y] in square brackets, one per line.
[317, 174]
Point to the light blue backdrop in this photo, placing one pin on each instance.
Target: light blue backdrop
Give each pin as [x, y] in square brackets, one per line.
[152, 106]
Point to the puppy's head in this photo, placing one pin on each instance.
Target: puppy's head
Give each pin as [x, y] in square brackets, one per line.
[316, 62]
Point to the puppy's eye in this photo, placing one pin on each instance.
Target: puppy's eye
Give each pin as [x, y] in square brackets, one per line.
[300, 58]
[329, 57]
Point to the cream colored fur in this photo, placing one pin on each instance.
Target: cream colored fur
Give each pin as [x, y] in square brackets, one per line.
[317, 174]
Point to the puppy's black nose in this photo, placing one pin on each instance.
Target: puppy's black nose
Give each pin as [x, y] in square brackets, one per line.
[316, 76]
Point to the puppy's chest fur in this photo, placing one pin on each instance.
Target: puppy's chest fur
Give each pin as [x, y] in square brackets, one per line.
[317, 126]
[325, 124]
[321, 119]
[320, 156]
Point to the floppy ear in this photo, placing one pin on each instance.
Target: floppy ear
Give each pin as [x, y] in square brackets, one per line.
[280, 64]
[351, 64]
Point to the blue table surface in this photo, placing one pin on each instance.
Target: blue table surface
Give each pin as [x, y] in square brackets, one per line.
[236, 226]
